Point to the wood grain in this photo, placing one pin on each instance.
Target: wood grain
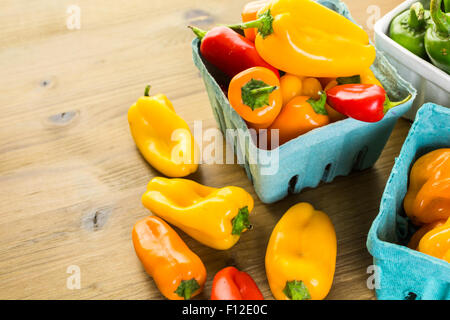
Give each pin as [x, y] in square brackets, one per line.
[70, 175]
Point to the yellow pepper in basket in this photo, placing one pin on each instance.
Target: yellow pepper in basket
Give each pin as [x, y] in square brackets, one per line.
[212, 216]
[162, 136]
[305, 38]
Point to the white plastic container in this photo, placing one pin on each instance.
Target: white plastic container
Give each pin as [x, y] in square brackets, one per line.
[431, 83]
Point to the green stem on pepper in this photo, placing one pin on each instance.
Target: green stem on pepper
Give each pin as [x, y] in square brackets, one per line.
[319, 104]
[263, 24]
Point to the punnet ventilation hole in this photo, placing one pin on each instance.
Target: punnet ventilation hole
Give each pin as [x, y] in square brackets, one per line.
[360, 158]
[293, 184]
[411, 296]
[326, 172]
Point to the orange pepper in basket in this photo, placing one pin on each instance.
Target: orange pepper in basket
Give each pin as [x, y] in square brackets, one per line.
[250, 13]
[311, 88]
[300, 115]
[291, 87]
[436, 242]
[418, 235]
[428, 196]
[255, 95]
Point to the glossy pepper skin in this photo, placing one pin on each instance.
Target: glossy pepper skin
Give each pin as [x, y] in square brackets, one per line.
[311, 88]
[301, 255]
[212, 216]
[304, 38]
[428, 197]
[250, 13]
[409, 27]
[417, 236]
[229, 51]
[363, 102]
[291, 86]
[162, 136]
[300, 115]
[232, 284]
[436, 242]
[255, 95]
[178, 272]
[446, 6]
[437, 38]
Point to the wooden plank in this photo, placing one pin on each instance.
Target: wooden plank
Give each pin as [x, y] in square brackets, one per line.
[71, 178]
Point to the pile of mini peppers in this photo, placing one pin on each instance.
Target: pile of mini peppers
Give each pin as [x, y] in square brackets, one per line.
[297, 267]
[426, 33]
[427, 204]
[298, 66]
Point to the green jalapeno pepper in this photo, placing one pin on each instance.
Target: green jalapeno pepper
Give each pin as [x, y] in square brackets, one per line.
[446, 5]
[437, 37]
[409, 27]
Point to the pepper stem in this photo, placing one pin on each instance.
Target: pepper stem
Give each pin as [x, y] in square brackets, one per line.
[447, 5]
[255, 93]
[349, 80]
[296, 290]
[186, 288]
[147, 90]
[240, 222]
[388, 104]
[263, 24]
[198, 32]
[416, 18]
[319, 105]
[441, 20]
[263, 90]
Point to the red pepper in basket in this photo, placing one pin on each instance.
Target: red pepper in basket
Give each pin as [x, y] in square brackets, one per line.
[229, 51]
[364, 102]
[232, 284]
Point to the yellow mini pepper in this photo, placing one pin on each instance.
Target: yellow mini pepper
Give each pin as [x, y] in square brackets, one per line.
[162, 136]
[301, 255]
[305, 38]
[212, 216]
[428, 197]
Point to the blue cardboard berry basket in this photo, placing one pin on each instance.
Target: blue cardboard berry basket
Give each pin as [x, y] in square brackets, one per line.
[319, 155]
[404, 273]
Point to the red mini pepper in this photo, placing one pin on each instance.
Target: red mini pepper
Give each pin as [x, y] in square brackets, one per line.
[232, 284]
[364, 102]
[229, 51]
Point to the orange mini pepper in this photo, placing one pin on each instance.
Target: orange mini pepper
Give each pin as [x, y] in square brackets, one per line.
[249, 13]
[311, 88]
[417, 236]
[300, 115]
[428, 196]
[255, 95]
[436, 242]
[178, 272]
[291, 87]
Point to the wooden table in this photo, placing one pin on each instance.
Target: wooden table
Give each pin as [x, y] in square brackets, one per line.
[71, 177]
